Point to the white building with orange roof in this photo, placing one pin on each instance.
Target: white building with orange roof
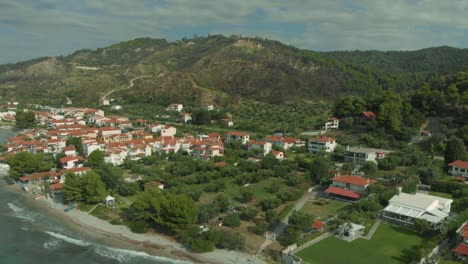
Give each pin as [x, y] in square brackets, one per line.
[238, 136]
[264, 146]
[326, 144]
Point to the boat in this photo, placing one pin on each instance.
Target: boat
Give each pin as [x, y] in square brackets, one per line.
[68, 209]
[38, 197]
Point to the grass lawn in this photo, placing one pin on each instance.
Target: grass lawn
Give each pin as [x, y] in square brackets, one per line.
[441, 194]
[389, 245]
[329, 208]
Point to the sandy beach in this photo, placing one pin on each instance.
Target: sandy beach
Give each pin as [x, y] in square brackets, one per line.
[151, 243]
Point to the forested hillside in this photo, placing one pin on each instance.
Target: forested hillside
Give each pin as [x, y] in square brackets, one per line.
[224, 70]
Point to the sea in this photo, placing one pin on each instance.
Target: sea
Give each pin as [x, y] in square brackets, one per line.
[29, 234]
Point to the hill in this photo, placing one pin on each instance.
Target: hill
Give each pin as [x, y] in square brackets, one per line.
[222, 69]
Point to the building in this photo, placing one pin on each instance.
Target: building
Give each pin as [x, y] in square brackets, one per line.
[458, 168]
[405, 208]
[360, 155]
[264, 146]
[209, 107]
[168, 131]
[104, 102]
[349, 187]
[279, 155]
[238, 136]
[461, 250]
[227, 121]
[175, 107]
[326, 144]
[365, 117]
[332, 123]
[184, 118]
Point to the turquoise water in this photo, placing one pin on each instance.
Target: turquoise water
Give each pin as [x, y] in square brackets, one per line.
[29, 235]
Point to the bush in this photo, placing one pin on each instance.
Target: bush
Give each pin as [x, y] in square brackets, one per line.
[258, 229]
[270, 203]
[232, 241]
[232, 220]
[128, 189]
[200, 245]
[249, 213]
[139, 226]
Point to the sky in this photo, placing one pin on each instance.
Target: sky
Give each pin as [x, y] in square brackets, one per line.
[35, 28]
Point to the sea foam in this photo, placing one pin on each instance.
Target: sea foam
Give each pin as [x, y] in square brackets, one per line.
[21, 213]
[121, 255]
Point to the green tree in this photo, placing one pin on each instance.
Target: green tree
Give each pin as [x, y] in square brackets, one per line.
[455, 150]
[25, 119]
[319, 170]
[95, 159]
[77, 143]
[178, 211]
[300, 221]
[232, 220]
[27, 163]
[73, 187]
[111, 175]
[390, 111]
[94, 190]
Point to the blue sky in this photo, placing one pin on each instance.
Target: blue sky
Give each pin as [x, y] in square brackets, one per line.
[34, 28]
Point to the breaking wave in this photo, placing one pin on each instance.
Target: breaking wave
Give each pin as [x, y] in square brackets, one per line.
[22, 213]
[120, 255]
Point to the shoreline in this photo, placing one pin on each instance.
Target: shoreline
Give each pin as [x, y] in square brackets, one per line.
[121, 237]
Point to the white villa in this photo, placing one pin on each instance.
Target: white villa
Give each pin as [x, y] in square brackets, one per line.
[360, 155]
[326, 144]
[404, 208]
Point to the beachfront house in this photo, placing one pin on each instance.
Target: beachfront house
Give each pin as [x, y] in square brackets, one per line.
[405, 208]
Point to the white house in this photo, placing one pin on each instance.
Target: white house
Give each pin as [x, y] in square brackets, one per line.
[175, 107]
[458, 168]
[227, 121]
[349, 186]
[168, 131]
[332, 123]
[104, 102]
[326, 144]
[185, 118]
[405, 208]
[71, 162]
[265, 146]
[69, 151]
[209, 107]
[279, 155]
[108, 131]
[238, 136]
[360, 155]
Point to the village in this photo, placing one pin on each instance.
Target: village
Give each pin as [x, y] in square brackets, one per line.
[318, 205]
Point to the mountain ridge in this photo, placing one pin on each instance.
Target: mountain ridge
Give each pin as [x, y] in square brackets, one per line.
[237, 67]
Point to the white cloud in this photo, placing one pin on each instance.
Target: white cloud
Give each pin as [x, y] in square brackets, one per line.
[45, 26]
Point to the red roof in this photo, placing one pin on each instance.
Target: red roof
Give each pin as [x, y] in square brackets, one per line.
[237, 134]
[462, 249]
[67, 159]
[220, 164]
[460, 164]
[369, 114]
[69, 148]
[464, 231]
[39, 175]
[355, 180]
[318, 224]
[75, 170]
[276, 153]
[343, 192]
[214, 134]
[57, 186]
